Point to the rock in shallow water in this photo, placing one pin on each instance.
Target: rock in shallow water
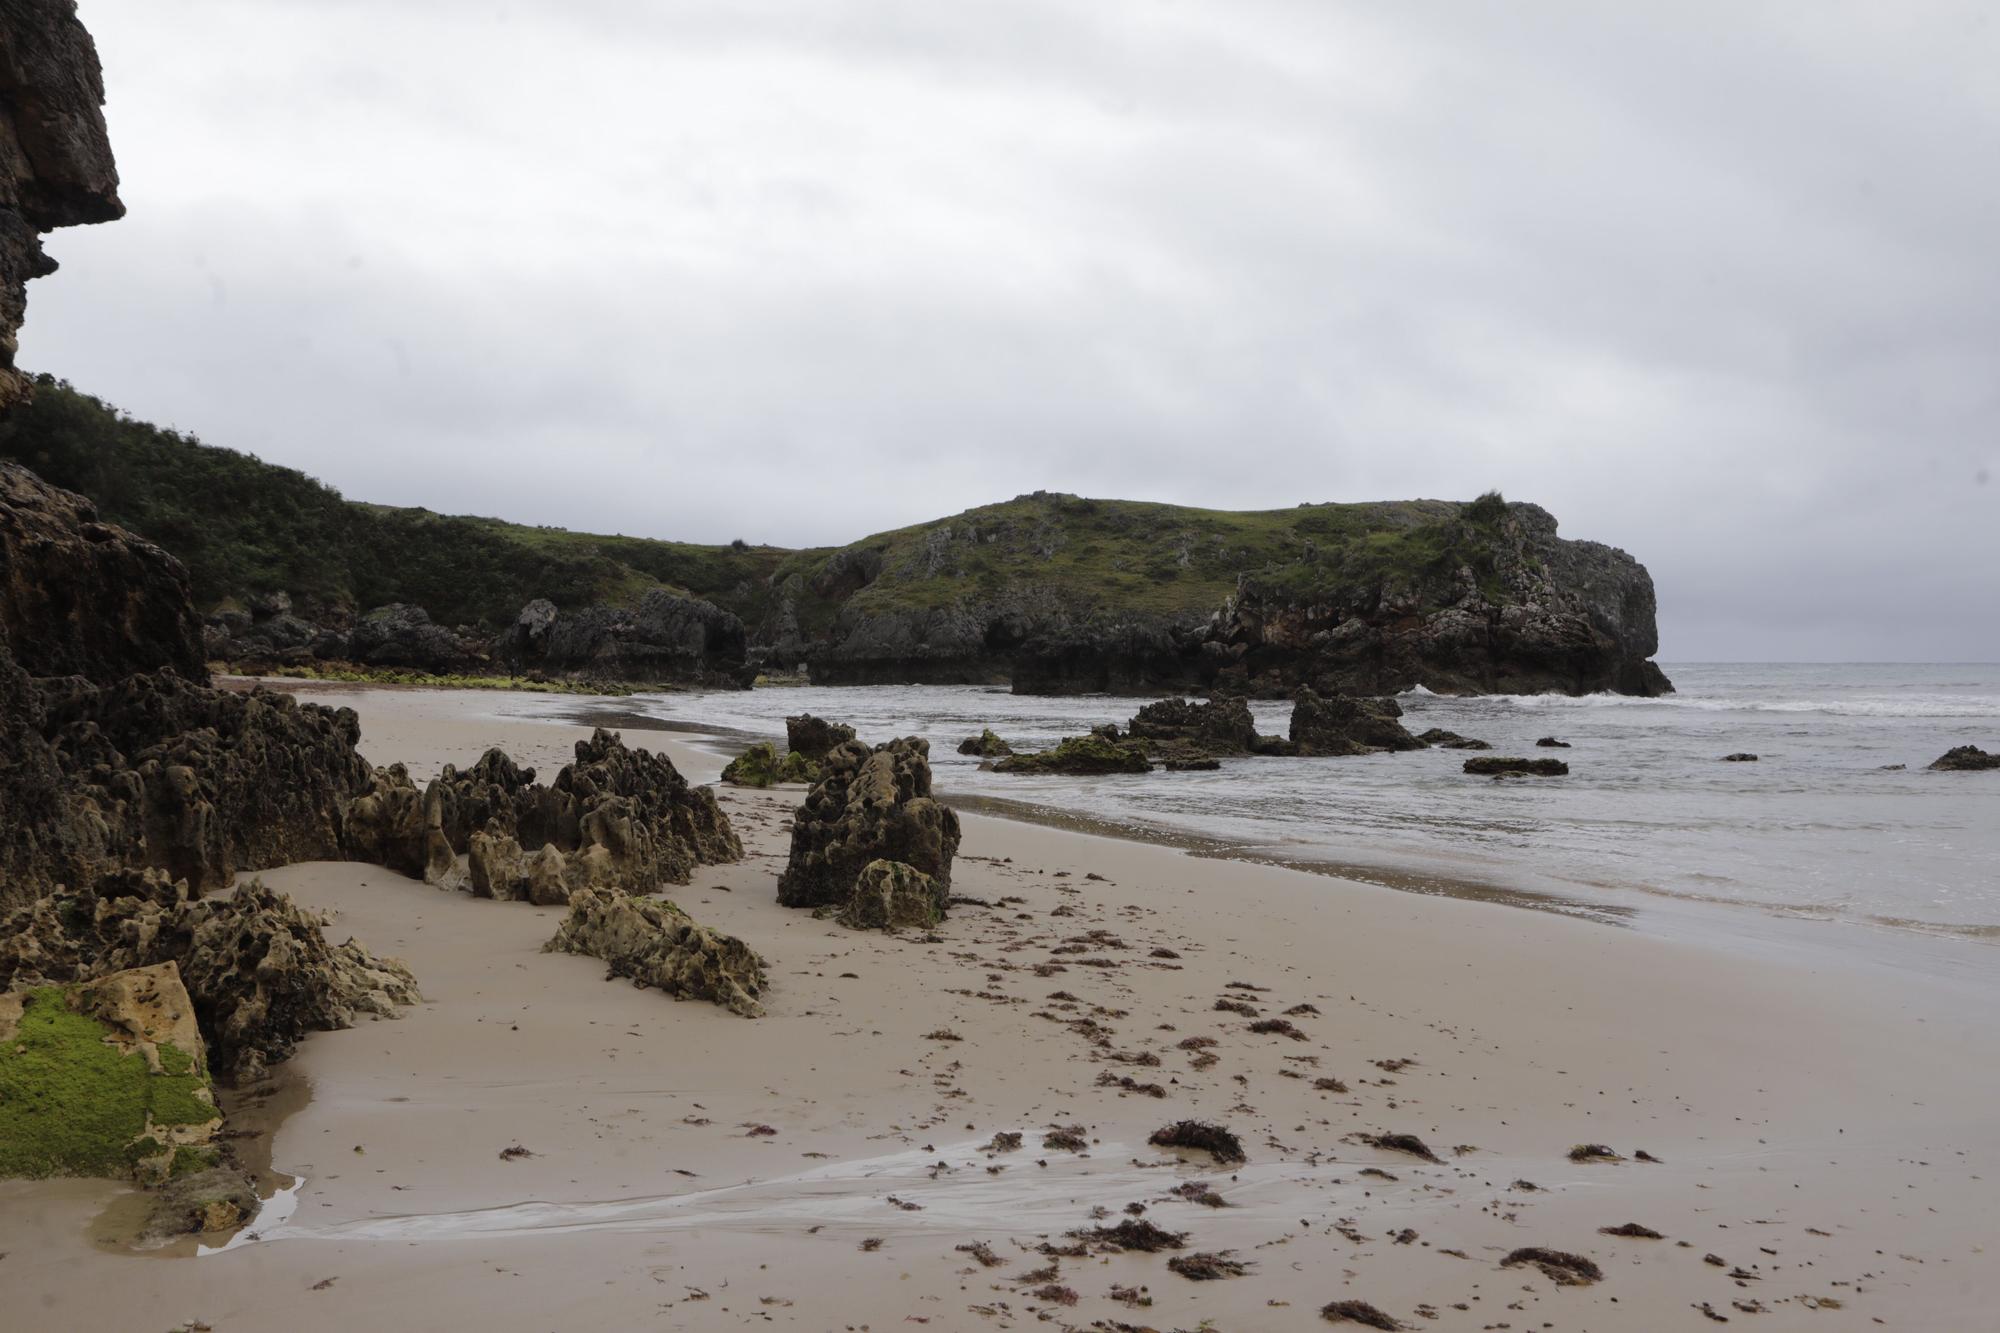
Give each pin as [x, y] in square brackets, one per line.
[1965, 759]
[1342, 724]
[1497, 766]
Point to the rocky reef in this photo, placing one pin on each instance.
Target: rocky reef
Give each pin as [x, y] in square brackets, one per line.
[1965, 759]
[1099, 752]
[762, 766]
[655, 943]
[870, 805]
[616, 817]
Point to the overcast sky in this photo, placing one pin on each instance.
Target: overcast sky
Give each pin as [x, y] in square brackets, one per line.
[1717, 283]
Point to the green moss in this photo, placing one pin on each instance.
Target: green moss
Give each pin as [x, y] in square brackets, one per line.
[389, 676]
[760, 766]
[187, 1161]
[1080, 754]
[72, 1104]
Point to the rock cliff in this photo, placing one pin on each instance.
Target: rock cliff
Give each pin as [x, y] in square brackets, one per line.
[56, 168]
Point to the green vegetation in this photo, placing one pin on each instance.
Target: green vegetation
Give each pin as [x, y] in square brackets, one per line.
[347, 675]
[245, 527]
[762, 766]
[1080, 754]
[71, 1104]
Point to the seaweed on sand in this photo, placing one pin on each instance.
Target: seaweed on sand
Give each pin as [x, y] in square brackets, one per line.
[1200, 1136]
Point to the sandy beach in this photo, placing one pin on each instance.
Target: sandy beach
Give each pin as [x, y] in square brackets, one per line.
[1820, 1144]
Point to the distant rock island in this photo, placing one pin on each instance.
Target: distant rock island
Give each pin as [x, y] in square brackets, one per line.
[1052, 593]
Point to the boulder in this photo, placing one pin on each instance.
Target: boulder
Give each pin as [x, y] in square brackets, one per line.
[656, 944]
[892, 896]
[762, 766]
[1451, 740]
[1551, 743]
[105, 1078]
[1083, 755]
[870, 805]
[986, 745]
[1965, 759]
[1740, 757]
[1496, 766]
[815, 737]
[1342, 724]
[496, 867]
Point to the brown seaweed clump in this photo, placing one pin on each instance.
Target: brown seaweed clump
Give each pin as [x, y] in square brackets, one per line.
[1558, 1266]
[1134, 1233]
[1403, 1143]
[1202, 1266]
[1632, 1229]
[1200, 1136]
[1357, 1312]
[1593, 1152]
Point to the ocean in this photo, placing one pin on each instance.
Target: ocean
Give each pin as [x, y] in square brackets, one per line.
[1650, 824]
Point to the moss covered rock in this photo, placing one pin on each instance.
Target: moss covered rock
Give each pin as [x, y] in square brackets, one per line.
[106, 1078]
[1095, 753]
[890, 895]
[762, 766]
[986, 745]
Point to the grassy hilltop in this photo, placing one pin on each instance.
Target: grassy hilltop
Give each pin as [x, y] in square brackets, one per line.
[243, 526]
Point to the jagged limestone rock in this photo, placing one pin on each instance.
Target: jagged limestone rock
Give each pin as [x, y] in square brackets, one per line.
[1342, 724]
[105, 1078]
[872, 804]
[1965, 759]
[1219, 726]
[656, 944]
[892, 896]
[258, 967]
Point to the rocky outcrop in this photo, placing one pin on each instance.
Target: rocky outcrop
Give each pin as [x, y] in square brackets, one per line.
[665, 637]
[1222, 726]
[403, 636]
[1341, 724]
[79, 597]
[1098, 752]
[56, 168]
[200, 783]
[892, 896]
[815, 737]
[762, 766]
[656, 944]
[987, 745]
[1965, 759]
[258, 968]
[1500, 766]
[870, 805]
[616, 817]
[105, 1078]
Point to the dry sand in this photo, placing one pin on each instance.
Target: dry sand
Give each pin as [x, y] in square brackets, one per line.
[1833, 1138]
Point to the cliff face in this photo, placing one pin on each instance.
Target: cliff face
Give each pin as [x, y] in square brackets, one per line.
[56, 168]
[84, 598]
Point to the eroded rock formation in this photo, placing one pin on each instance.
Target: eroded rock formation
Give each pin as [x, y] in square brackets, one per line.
[892, 896]
[655, 943]
[666, 636]
[870, 805]
[815, 737]
[1341, 724]
[258, 967]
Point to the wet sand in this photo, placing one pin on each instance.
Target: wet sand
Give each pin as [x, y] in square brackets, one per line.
[1828, 1134]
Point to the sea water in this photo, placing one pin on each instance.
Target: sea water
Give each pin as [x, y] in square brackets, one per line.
[1839, 819]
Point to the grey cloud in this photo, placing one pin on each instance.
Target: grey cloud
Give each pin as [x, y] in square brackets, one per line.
[1711, 283]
